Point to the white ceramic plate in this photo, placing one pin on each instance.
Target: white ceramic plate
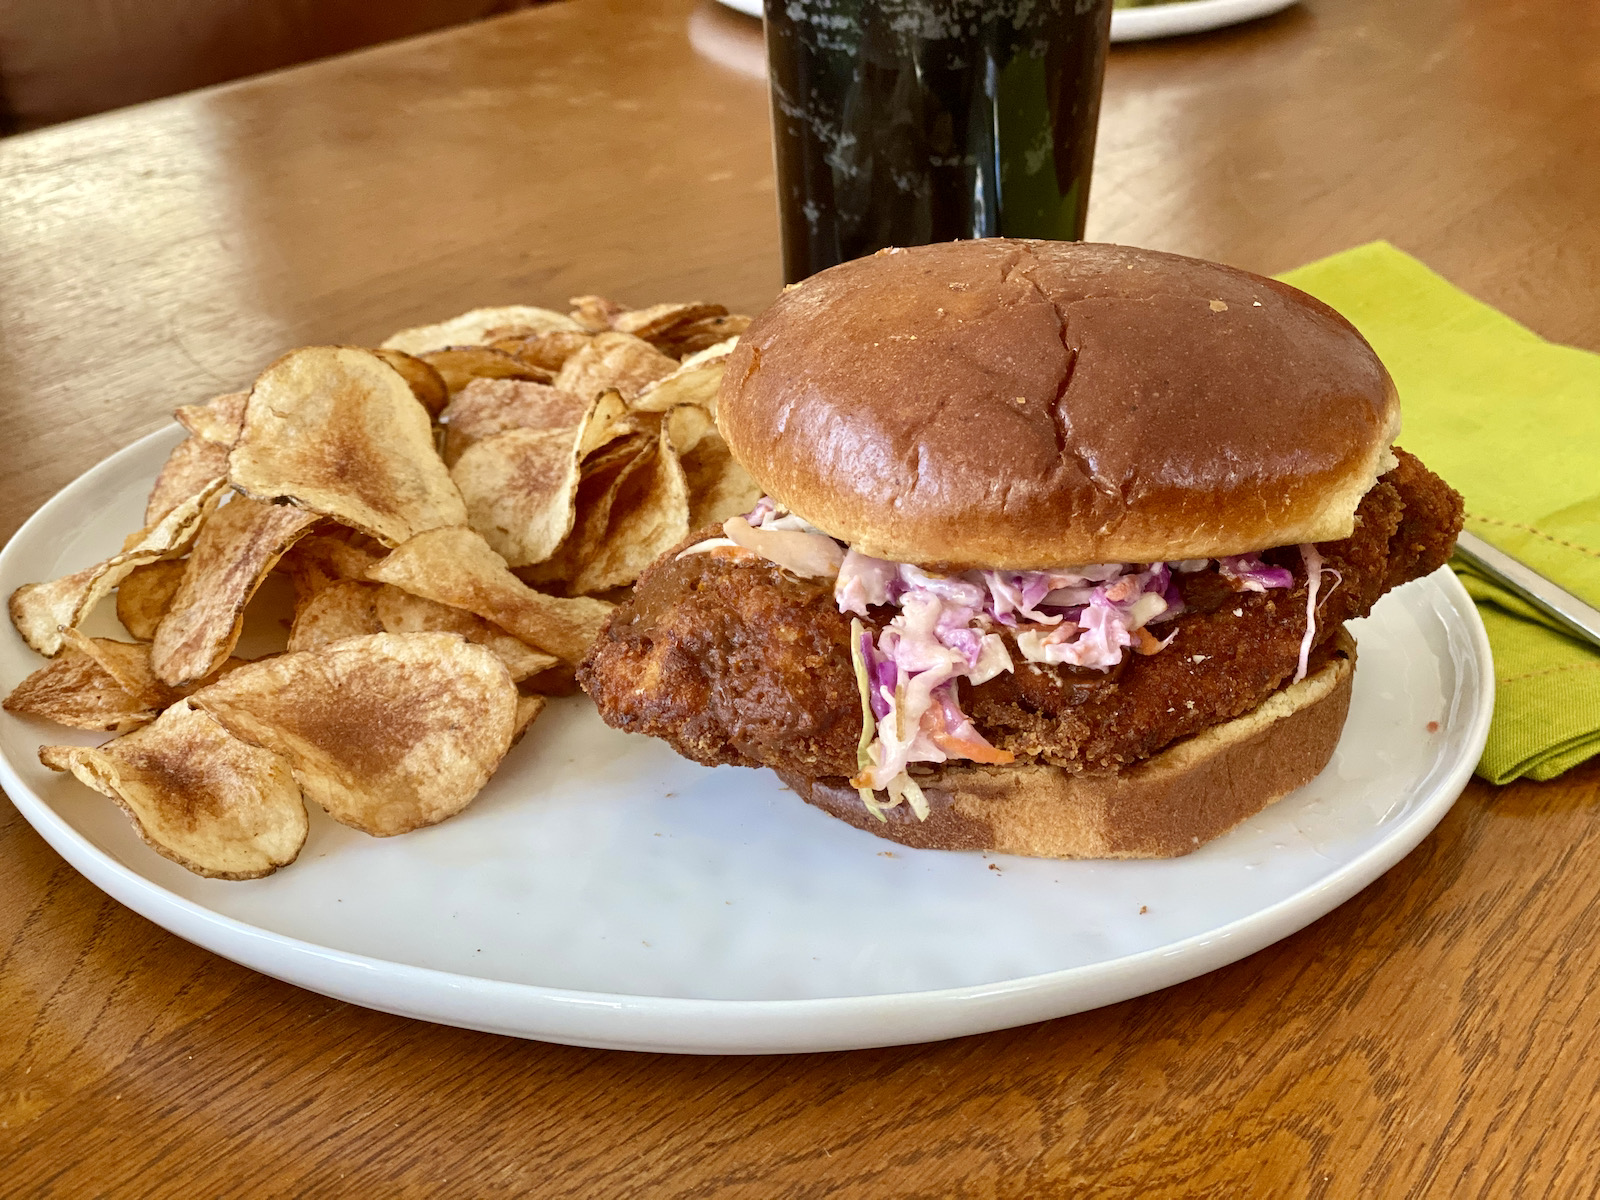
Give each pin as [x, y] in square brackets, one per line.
[1158, 20]
[1187, 16]
[604, 892]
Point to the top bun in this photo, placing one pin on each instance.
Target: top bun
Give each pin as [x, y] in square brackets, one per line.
[1029, 404]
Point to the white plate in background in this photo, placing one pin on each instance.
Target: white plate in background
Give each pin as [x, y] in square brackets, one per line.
[1157, 20]
[603, 891]
[1187, 16]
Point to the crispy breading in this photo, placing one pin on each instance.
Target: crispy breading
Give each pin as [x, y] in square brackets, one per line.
[731, 660]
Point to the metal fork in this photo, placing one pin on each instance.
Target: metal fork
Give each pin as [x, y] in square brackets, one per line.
[1580, 619]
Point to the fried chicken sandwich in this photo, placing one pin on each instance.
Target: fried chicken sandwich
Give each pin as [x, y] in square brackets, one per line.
[1058, 545]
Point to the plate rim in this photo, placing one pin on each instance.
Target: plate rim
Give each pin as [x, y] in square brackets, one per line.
[1136, 24]
[667, 1023]
[1188, 16]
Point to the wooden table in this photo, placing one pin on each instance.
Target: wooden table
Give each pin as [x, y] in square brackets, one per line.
[1435, 1034]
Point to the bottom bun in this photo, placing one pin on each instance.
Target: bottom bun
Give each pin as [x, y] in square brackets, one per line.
[1163, 807]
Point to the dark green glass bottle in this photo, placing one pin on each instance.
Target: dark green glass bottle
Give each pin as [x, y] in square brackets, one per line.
[901, 122]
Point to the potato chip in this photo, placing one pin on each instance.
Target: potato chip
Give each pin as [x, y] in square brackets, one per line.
[457, 567]
[326, 555]
[615, 453]
[470, 327]
[198, 795]
[519, 487]
[338, 431]
[399, 611]
[659, 319]
[604, 474]
[687, 426]
[426, 384]
[73, 689]
[41, 610]
[127, 664]
[145, 595]
[685, 340]
[236, 548]
[719, 486]
[388, 733]
[460, 365]
[529, 706]
[694, 382]
[649, 515]
[190, 468]
[614, 360]
[594, 313]
[559, 680]
[340, 610]
[607, 421]
[489, 406]
[217, 420]
[548, 350]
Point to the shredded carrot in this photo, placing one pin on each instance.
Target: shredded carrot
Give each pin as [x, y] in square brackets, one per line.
[1147, 643]
[975, 749]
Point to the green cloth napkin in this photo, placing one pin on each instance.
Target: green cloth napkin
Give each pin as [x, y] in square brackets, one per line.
[1513, 423]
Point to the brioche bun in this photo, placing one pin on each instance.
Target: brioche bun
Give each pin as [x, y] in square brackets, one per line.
[1027, 404]
[1162, 807]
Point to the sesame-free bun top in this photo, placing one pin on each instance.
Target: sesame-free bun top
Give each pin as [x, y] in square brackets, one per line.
[1032, 404]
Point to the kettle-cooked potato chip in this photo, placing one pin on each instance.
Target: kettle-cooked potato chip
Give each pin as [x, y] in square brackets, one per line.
[388, 733]
[333, 613]
[75, 690]
[595, 313]
[548, 350]
[40, 611]
[460, 365]
[529, 706]
[145, 595]
[520, 487]
[659, 320]
[559, 680]
[719, 486]
[189, 469]
[79, 687]
[426, 384]
[684, 340]
[614, 360]
[489, 406]
[608, 420]
[211, 803]
[326, 555]
[217, 420]
[128, 665]
[470, 327]
[604, 474]
[649, 515]
[457, 567]
[399, 611]
[338, 431]
[694, 382]
[236, 548]
[687, 426]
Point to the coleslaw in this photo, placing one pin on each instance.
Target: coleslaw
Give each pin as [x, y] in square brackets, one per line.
[947, 629]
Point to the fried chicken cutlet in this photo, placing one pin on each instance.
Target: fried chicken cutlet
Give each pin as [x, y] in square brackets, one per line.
[734, 660]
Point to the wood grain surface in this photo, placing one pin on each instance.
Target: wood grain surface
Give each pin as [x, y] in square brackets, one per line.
[1436, 1035]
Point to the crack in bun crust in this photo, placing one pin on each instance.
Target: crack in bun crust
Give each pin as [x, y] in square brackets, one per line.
[1021, 404]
